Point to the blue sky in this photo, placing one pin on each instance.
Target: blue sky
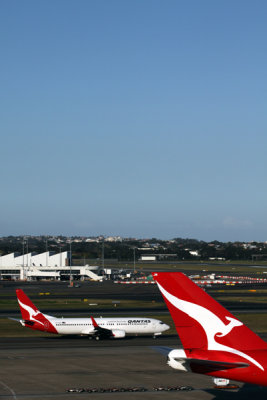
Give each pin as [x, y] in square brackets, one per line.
[141, 118]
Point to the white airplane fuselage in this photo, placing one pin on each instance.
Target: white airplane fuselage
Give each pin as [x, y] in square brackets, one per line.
[84, 326]
[99, 328]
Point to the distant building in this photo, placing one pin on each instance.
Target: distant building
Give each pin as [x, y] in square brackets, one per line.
[32, 266]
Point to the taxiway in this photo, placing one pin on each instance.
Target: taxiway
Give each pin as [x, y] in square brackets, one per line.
[44, 368]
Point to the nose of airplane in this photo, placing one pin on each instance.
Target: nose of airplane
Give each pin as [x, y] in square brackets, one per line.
[166, 327]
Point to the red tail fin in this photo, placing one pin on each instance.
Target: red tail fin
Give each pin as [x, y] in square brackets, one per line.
[32, 317]
[27, 308]
[201, 322]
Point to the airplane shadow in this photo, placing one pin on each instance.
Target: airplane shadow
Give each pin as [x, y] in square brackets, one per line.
[80, 338]
[245, 392]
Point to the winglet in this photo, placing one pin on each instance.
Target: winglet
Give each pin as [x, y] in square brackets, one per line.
[95, 325]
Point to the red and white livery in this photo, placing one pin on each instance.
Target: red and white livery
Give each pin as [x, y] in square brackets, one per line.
[214, 342]
[98, 328]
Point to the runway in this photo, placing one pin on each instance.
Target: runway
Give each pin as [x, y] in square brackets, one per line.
[44, 368]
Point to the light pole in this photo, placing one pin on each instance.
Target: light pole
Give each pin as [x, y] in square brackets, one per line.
[23, 257]
[70, 265]
[103, 253]
[60, 257]
[134, 258]
[46, 255]
[27, 252]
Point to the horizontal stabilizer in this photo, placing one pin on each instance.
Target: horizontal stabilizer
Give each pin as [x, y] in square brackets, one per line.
[162, 349]
[207, 366]
[14, 319]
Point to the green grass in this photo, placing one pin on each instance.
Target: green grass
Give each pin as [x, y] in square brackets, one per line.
[61, 304]
[200, 266]
[242, 299]
[238, 291]
[256, 322]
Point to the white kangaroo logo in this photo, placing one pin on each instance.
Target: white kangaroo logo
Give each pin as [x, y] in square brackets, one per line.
[31, 312]
[212, 325]
[227, 328]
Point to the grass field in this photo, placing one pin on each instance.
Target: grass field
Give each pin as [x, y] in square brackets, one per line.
[243, 299]
[200, 266]
[83, 303]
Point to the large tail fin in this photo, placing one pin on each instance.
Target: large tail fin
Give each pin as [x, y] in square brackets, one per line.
[31, 316]
[27, 308]
[201, 322]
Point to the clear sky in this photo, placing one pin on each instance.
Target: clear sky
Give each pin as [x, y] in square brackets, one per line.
[141, 118]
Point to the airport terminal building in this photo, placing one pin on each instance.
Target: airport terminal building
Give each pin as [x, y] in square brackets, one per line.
[48, 265]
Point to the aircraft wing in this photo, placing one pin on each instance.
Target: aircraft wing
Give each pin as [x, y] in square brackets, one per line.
[99, 331]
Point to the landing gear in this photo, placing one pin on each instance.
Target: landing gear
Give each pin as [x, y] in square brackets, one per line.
[97, 338]
[156, 335]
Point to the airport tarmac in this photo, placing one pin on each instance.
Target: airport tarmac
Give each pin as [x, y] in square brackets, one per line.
[42, 368]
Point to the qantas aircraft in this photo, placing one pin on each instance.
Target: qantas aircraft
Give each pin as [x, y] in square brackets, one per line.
[98, 328]
[215, 343]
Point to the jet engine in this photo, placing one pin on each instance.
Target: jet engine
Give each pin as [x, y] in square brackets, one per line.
[117, 333]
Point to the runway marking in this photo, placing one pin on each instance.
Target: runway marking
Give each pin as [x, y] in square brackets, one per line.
[8, 388]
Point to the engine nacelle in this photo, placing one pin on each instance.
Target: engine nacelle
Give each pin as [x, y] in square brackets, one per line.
[118, 334]
[177, 360]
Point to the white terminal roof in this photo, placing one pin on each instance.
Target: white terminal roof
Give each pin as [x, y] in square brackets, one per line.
[32, 259]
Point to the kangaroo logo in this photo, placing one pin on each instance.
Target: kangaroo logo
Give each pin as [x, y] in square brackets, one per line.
[227, 328]
[31, 311]
[210, 322]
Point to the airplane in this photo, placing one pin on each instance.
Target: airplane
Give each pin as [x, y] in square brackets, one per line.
[98, 328]
[215, 343]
